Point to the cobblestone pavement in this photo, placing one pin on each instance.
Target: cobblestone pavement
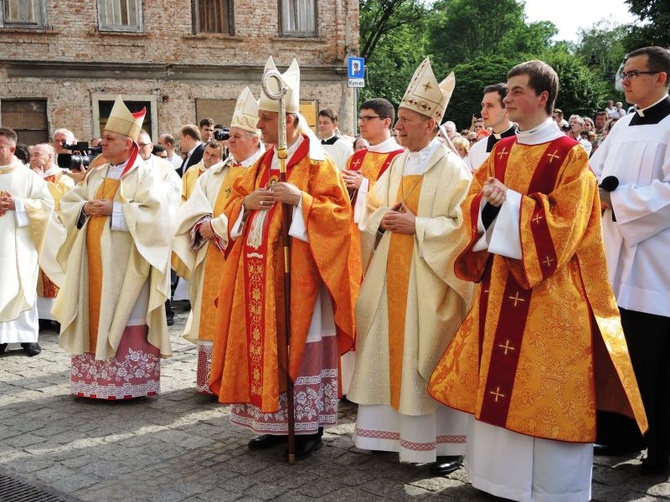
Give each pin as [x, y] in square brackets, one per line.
[180, 447]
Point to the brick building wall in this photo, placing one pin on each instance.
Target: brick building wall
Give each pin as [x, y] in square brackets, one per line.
[72, 65]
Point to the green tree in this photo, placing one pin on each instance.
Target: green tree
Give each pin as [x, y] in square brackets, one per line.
[655, 29]
[471, 78]
[582, 90]
[393, 35]
[461, 30]
[602, 47]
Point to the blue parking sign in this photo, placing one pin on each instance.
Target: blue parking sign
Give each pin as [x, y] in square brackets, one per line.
[356, 67]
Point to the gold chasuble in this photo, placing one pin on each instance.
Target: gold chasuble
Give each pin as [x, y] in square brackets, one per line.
[398, 270]
[96, 226]
[542, 347]
[249, 355]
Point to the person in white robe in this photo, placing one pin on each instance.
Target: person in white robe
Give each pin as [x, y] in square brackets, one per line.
[25, 208]
[410, 303]
[633, 167]
[116, 257]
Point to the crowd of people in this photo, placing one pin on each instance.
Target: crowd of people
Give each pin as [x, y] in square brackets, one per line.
[496, 296]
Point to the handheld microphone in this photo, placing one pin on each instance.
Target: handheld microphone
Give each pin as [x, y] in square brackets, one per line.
[609, 184]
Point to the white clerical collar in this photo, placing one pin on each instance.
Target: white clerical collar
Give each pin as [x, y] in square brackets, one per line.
[499, 135]
[416, 162]
[329, 137]
[543, 133]
[386, 146]
[115, 170]
[640, 111]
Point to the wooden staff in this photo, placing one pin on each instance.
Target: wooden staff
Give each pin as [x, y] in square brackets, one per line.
[282, 154]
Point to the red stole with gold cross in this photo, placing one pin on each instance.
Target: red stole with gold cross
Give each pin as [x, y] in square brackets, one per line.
[516, 300]
[255, 280]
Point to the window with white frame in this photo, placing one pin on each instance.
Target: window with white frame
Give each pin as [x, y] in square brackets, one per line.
[120, 15]
[213, 16]
[298, 18]
[23, 13]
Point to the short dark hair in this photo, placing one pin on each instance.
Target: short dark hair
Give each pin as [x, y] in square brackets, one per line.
[381, 107]
[10, 134]
[500, 88]
[600, 113]
[206, 122]
[169, 139]
[213, 144]
[191, 130]
[330, 113]
[658, 59]
[541, 78]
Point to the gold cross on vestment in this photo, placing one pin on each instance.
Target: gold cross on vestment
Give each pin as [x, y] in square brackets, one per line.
[427, 86]
[553, 156]
[548, 261]
[503, 152]
[356, 163]
[506, 347]
[516, 298]
[497, 395]
[537, 219]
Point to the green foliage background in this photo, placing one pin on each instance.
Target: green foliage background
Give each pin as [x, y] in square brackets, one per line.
[480, 40]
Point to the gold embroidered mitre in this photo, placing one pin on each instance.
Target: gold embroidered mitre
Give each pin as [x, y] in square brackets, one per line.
[122, 121]
[245, 115]
[425, 96]
[291, 80]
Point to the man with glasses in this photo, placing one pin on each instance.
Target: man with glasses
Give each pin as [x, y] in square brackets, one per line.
[634, 164]
[363, 169]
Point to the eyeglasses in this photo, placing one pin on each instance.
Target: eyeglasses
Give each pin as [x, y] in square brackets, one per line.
[368, 118]
[632, 75]
[143, 144]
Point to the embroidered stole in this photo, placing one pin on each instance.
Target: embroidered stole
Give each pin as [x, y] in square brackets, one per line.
[516, 300]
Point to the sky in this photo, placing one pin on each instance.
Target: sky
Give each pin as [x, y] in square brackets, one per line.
[570, 15]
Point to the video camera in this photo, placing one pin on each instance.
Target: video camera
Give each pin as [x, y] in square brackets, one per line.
[81, 155]
[222, 134]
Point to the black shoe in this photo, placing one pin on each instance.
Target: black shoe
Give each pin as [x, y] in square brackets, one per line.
[45, 324]
[3, 347]
[446, 465]
[266, 441]
[654, 469]
[32, 349]
[170, 321]
[305, 446]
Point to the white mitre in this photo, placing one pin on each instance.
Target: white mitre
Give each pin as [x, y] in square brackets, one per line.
[425, 96]
[122, 121]
[291, 80]
[245, 115]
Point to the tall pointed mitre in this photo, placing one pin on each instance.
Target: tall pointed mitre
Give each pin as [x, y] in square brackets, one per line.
[425, 96]
[291, 79]
[245, 115]
[122, 121]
